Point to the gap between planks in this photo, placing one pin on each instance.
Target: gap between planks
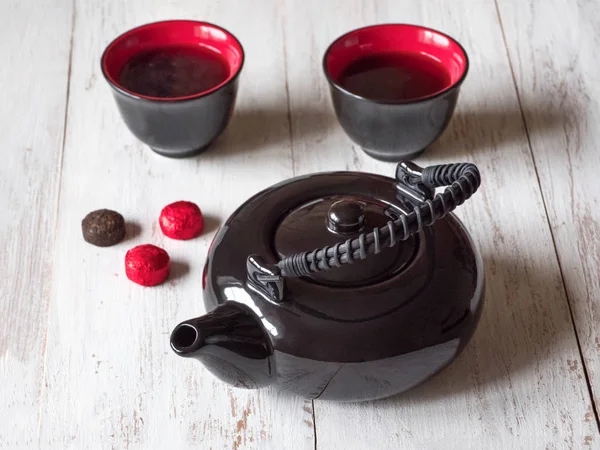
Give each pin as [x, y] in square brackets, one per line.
[56, 216]
[312, 403]
[543, 197]
[289, 109]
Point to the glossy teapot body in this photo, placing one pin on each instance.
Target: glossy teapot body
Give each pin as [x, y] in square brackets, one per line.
[376, 335]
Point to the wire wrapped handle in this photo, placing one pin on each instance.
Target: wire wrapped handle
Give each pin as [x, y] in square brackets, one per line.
[462, 180]
[413, 182]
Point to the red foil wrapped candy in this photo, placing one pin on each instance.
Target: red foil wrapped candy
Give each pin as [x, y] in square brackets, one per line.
[181, 220]
[147, 265]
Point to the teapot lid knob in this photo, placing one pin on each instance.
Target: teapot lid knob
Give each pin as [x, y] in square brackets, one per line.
[345, 216]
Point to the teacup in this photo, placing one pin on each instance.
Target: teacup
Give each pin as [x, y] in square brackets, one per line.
[394, 87]
[151, 71]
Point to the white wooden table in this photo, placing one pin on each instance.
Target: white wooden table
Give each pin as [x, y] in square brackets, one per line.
[84, 353]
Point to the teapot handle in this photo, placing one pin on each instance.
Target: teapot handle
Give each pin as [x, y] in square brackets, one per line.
[416, 183]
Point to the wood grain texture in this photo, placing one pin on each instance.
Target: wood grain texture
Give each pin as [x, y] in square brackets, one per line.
[33, 80]
[104, 377]
[559, 84]
[519, 383]
[112, 379]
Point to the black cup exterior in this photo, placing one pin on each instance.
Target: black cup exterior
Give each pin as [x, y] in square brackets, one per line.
[394, 132]
[178, 128]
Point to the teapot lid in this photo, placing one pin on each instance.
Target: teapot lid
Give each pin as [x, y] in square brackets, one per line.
[324, 221]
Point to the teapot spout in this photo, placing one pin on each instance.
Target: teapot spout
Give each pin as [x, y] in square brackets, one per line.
[231, 342]
[186, 339]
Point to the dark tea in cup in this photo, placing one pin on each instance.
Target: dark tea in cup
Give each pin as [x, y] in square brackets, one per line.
[395, 77]
[176, 71]
[175, 83]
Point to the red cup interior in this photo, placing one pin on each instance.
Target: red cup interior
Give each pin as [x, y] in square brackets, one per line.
[399, 38]
[170, 33]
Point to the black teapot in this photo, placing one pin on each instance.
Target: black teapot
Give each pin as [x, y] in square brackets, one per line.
[342, 285]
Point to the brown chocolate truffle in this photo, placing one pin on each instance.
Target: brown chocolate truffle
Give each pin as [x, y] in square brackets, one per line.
[103, 228]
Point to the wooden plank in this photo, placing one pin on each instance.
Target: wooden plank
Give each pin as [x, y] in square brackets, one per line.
[519, 383]
[557, 77]
[35, 61]
[111, 376]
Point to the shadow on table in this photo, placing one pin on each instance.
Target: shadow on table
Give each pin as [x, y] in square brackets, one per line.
[471, 129]
[179, 269]
[211, 223]
[518, 329]
[475, 130]
[132, 230]
[252, 129]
